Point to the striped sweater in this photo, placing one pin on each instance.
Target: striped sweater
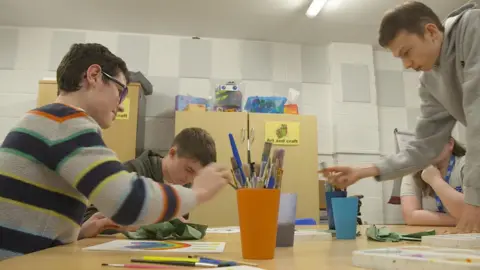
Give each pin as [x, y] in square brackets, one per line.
[54, 163]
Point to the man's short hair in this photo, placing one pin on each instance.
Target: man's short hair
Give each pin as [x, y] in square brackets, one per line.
[196, 143]
[410, 16]
[75, 63]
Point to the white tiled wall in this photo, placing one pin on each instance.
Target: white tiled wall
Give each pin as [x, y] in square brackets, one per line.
[345, 85]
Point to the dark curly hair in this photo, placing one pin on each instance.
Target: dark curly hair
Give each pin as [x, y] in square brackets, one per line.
[75, 63]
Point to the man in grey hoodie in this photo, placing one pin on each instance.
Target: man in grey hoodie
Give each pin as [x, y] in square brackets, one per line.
[448, 55]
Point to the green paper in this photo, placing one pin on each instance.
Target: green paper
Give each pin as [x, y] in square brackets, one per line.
[170, 230]
[384, 235]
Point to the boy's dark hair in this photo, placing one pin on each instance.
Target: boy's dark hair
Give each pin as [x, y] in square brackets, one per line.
[410, 16]
[75, 63]
[196, 143]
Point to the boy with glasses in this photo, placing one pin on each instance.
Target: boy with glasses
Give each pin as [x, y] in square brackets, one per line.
[54, 163]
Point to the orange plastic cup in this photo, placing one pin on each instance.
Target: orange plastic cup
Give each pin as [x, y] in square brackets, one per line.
[258, 216]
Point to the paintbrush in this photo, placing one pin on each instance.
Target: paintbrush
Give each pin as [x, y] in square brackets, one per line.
[267, 147]
[235, 183]
[250, 166]
[328, 187]
[279, 172]
[248, 174]
[236, 171]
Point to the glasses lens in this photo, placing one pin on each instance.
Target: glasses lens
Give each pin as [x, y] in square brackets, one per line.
[123, 94]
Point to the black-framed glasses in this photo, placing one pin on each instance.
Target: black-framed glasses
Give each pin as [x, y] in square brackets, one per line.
[124, 92]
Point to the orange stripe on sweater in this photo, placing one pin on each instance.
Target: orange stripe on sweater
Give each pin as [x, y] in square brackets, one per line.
[59, 119]
[165, 203]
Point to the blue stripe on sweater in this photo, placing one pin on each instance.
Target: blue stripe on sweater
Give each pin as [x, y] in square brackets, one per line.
[24, 193]
[132, 205]
[92, 179]
[21, 242]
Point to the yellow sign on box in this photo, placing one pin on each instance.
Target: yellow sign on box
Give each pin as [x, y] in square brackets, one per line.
[126, 110]
[282, 133]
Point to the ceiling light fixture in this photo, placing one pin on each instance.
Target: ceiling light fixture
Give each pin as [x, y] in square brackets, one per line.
[315, 8]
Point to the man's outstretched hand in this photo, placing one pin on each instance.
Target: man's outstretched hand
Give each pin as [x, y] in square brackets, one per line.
[344, 176]
[341, 176]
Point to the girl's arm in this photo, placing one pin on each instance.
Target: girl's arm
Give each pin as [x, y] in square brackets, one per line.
[451, 199]
[414, 215]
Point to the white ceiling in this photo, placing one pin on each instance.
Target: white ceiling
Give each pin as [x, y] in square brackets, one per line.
[268, 20]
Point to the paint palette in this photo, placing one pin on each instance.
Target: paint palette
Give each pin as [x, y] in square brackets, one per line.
[471, 240]
[417, 257]
[306, 234]
[160, 246]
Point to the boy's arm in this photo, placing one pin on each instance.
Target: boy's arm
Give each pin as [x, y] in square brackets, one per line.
[471, 104]
[433, 130]
[128, 199]
[129, 166]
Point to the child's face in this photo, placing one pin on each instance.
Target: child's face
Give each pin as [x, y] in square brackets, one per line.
[181, 170]
[104, 97]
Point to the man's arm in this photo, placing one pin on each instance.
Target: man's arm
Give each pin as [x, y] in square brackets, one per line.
[471, 104]
[127, 198]
[433, 130]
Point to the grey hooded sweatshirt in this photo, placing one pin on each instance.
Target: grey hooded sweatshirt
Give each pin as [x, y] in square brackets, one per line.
[449, 93]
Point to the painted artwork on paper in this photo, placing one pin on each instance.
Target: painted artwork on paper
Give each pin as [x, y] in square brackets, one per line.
[160, 246]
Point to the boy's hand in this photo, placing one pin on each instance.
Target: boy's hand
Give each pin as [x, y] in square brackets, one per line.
[95, 225]
[182, 219]
[210, 180]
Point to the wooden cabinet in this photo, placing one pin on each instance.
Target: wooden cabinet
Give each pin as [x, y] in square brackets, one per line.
[126, 135]
[300, 164]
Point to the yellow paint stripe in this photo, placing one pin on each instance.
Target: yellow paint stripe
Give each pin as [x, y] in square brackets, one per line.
[90, 167]
[39, 209]
[80, 198]
[112, 177]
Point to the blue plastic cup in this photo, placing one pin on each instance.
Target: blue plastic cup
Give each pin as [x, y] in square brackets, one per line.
[328, 197]
[345, 212]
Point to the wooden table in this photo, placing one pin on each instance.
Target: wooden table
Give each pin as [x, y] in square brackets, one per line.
[306, 254]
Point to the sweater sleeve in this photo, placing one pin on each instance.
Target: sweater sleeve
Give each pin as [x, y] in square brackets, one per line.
[434, 128]
[471, 105]
[127, 198]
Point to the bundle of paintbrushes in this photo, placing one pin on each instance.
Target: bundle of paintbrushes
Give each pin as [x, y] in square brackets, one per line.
[267, 174]
[328, 187]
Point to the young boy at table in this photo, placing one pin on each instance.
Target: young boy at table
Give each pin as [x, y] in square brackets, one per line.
[448, 55]
[54, 162]
[442, 183]
[192, 149]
